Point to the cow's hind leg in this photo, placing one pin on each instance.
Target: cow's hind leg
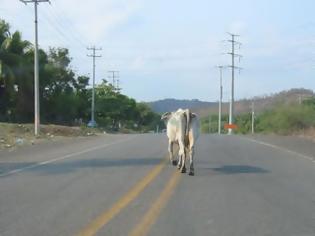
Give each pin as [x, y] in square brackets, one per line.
[183, 166]
[179, 164]
[182, 157]
[191, 160]
[171, 153]
[180, 161]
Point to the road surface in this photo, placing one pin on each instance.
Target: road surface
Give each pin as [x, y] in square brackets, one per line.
[123, 185]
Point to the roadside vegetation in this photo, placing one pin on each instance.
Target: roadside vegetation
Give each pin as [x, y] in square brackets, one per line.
[65, 97]
[283, 119]
[13, 135]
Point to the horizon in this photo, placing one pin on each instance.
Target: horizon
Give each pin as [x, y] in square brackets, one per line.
[240, 99]
[161, 54]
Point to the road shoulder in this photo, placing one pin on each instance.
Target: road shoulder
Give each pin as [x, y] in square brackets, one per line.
[298, 145]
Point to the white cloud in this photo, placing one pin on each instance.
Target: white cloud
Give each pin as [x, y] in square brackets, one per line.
[237, 27]
[95, 19]
[137, 64]
[11, 6]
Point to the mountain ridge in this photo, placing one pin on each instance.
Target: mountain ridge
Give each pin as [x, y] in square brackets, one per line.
[204, 108]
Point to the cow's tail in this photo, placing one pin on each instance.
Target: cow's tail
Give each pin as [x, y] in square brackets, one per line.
[187, 121]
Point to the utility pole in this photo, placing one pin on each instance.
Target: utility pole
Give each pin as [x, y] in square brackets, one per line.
[220, 101]
[115, 78]
[209, 123]
[253, 117]
[118, 88]
[301, 98]
[92, 122]
[233, 55]
[36, 73]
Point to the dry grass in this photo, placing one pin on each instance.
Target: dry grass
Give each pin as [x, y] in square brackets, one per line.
[12, 135]
[307, 133]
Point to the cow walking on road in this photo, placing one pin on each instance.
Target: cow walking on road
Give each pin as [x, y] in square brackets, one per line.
[183, 129]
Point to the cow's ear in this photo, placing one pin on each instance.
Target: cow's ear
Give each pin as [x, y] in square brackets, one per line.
[166, 116]
[193, 115]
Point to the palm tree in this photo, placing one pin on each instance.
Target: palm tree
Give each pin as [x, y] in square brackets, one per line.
[6, 75]
[13, 68]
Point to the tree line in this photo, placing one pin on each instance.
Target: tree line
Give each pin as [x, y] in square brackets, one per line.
[65, 97]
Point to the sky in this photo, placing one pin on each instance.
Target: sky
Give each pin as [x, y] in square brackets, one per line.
[170, 49]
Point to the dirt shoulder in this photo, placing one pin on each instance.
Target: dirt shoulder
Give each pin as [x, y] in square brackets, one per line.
[16, 135]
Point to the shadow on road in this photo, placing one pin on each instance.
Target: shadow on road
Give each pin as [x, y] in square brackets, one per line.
[231, 170]
[239, 169]
[73, 165]
[9, 166]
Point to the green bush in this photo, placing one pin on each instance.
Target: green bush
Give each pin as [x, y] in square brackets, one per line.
[244, 123]
[286, 119]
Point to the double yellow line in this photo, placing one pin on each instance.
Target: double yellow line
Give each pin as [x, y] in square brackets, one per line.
[143, 227]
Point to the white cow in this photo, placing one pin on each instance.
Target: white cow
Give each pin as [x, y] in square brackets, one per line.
[183, 129]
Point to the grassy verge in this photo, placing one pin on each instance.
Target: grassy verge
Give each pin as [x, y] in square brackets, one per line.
[285, 119]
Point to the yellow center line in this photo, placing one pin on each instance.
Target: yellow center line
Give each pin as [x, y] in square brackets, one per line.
[143, 227]
[93, 227]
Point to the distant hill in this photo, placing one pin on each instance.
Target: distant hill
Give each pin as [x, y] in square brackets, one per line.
[171, 104]
[202, 108]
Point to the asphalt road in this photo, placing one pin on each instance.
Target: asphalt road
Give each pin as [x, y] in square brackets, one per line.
[122, 185]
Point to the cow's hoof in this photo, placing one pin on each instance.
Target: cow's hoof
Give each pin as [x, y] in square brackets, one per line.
[174, 162]
[183, 170]
[191, 173]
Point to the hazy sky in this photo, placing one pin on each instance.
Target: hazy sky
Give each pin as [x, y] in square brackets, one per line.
[167, 49]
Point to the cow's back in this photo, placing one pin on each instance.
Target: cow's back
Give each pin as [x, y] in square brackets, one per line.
[176, 126]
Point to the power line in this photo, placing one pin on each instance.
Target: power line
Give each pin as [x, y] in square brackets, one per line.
[92, 122]
[36, 73]
[72, 26]
[62, 36]
[69, 29]
[49, 23]
[59, 28]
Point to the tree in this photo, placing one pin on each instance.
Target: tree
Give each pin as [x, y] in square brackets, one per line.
[13, 51]
[112, 108]
[64, 96]
[57, 87]
[83, 96]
